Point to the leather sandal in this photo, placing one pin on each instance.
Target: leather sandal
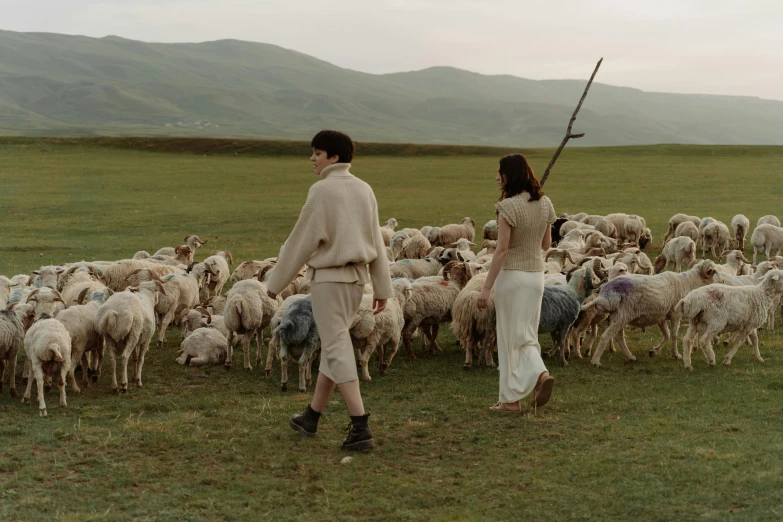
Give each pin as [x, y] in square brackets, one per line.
[543, 390]
[502, 407]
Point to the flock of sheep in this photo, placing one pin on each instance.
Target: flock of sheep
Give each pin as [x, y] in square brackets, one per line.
[596, 274]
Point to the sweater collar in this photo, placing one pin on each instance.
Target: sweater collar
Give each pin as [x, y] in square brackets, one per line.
[336, 169]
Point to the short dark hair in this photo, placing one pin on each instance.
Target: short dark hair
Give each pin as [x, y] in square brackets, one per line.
[519, 177]
[334, 143]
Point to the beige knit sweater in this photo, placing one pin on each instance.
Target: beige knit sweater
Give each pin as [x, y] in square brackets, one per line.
[337, 235]
[528, 220]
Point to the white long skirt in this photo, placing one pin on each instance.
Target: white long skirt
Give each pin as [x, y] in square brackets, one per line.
[518, 310]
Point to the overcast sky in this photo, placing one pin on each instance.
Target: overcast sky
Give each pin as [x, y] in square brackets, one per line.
[689, 46]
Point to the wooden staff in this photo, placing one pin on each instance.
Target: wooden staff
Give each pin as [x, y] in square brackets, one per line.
[568, 134]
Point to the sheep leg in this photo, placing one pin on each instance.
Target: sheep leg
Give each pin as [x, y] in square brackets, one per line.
[309, 371]
[392, 352]
[468, 355]
[594, 335]
[28, 391]
[124, 359]
[12, 375]
[164, 324]
[64, 372]
[741, 339]
[754, 337]
[246, 350]
[381, 353]
[270, 355]
[407, 339]
[302, 376]
[364, 359]
[76, 358]
[97, 363]
[620, 337]
[110, 345]
[433, 338]
[230, 350]
[665, 332]
[705, 343]
[39, 378]
[610, 333]
[259, 345]
[283, 371]
[687, 346]
[142, 351]
[2, 373]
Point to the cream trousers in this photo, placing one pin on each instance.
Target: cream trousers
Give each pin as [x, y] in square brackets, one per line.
[334, 307]
[518, 297]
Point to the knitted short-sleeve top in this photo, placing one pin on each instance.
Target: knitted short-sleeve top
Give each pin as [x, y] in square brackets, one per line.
[528, 220]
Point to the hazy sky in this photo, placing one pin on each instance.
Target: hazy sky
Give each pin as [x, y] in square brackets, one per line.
[692, 46]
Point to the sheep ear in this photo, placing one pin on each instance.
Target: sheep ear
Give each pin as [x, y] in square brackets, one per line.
[775, 277]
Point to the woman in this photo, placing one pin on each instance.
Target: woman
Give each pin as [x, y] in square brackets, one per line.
[524, 217]
[339, 238]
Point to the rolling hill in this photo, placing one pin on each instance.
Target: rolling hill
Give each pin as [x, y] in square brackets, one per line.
[52, 84]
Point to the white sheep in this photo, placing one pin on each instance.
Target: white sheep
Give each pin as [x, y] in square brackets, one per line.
[115, 276]
[79, 321]
[474, 327]
[769, 219]
[204, 346]
[716, 237]
[248, 269]
[734, 262]
[387, 230]
[674, 223]
[430, 305]
[641, 301]
[47, 346]
[687, 229]
[46, 276]
[183, 255]
[372, 332]
[193, 242]
[416, 268]
[218, 263]
[721, 308]
[740, 225]
[126, 322]
[677, 252]
[13, 326]
[766, 238]
[449, 234]
[46, 301]
[416, 247]
[247, 312]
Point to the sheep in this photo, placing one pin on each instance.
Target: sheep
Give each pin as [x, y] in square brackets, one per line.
[721, 308]
[430, 304]
[488, 247]
[432, 235]
[558, 264]
[678, 251]
[646, 300]
[606, 227]
[192, 242]
[214, 304]
[21, 279]
[556, 226]
[5, 291]
[274, 340]
[490, 231]
[141, 254]
[574, 225]
[13, 326]
[47, 345]
[47, 276]
[396, 246]
[734, 262]
[637, 261]
[71, 293]
[769, 219]
[740, 226]
[298, 336]
[560, 305]
[370, 332]
[589, 318]
[47, 301]
[474, 327]
[247, 312]
[425, 230]
[766, 238]
[674, 223]
[687, 229]
[573, 240]
[416, 247]
[574, 217]
[115, 275]
[387, 230]
[412, 232]
[182, 255]
[204, 346]
[631, 227]
[126, 322]
[416, 268]
[218, 263]
[716, 237]
[78, 273]
[449, 234]
[299, 285]
[248, 269]
[79, 320]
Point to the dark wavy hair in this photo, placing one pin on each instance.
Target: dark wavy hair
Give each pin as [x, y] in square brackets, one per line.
[334, 143]
[519, 177]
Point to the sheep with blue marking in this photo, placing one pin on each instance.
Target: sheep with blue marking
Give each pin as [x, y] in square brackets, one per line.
[298, 338]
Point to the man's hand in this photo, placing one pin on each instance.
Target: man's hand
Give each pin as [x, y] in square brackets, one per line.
[378, 306]
[270, 294]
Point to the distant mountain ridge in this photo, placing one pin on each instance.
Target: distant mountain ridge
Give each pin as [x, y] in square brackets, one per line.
[52, 84]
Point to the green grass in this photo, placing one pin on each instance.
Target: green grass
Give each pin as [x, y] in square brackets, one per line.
[640, 441]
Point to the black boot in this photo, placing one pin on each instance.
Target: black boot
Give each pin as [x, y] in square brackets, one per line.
[306, 423]
[359, 435]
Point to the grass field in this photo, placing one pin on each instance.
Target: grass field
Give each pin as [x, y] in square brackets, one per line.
[640, 441]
